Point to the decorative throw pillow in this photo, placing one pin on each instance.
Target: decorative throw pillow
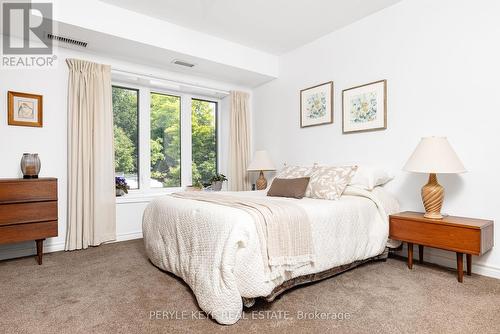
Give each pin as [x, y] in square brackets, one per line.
[293, 188]
[293, 172]
[329, 182]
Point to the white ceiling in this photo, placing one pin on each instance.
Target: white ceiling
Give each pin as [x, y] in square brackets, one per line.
[144, 54]
[274, 26]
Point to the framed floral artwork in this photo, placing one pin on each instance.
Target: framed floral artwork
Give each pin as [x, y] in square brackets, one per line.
[316, 105]
[25, 109]
[364, 108]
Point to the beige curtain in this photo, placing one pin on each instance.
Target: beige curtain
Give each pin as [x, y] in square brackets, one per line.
[91, 184]
[239, 142]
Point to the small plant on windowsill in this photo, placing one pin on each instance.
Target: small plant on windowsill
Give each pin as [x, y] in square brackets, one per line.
[196, 186]
[217, 181]
[121, 186]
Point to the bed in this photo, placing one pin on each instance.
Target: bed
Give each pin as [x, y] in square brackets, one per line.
[215, 249]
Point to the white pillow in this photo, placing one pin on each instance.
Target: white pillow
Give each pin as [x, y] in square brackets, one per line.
[369, 177]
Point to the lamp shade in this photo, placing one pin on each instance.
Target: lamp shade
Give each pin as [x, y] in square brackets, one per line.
[261, 161]
[434, 155]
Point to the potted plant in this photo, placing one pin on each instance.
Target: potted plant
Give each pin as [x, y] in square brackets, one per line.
[217, 180]
[196, 186]
[121, 186]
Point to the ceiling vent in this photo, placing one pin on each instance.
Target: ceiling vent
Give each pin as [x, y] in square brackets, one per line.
[67, 40]
[182, 63]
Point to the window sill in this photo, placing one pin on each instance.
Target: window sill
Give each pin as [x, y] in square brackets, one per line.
[144, 197]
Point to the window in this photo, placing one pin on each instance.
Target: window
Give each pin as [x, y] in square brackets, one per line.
[204, 140]
[150, 128]
[126, 119]
[165, 140]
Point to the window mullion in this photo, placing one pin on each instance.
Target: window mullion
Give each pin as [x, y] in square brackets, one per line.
[186, 141]
[144, 138]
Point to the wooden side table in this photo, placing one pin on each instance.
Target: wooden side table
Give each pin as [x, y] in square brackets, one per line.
[458, 234]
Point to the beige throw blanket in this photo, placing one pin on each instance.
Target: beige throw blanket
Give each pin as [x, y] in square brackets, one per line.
[283, 228]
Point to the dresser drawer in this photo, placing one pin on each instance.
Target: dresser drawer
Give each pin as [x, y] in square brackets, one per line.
[458, 239]
[25, 232]
[28, 190]
[18, 213]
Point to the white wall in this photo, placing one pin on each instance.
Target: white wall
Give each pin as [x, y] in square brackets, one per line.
[50, 140]
[441, 62]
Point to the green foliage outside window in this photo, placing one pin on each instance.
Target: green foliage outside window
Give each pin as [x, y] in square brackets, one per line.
[204, 141]
[124, 152]
[165, 139]
[125, 113]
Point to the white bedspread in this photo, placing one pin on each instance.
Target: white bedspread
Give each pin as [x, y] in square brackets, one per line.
[215, 249]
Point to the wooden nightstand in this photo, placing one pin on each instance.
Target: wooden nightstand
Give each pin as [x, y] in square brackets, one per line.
[461, 235]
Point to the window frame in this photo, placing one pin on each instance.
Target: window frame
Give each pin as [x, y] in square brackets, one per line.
[144, 136]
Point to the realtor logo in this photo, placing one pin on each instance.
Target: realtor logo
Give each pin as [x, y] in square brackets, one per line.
[21, 18]
[25, 27]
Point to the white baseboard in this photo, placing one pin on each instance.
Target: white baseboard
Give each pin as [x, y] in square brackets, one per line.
[128, 236]
[449, 260]
[21, 250]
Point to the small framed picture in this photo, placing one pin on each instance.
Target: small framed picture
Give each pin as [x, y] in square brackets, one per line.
[316, 105]
[25, 109]
[364, 108]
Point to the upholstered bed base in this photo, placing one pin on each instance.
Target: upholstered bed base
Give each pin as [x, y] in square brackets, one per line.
[249, 302]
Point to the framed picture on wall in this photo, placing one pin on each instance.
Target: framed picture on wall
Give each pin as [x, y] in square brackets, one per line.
[25, 109]
[364, 108]
[316, 105]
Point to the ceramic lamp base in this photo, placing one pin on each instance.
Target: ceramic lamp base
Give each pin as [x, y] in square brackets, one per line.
[432, 197]
[261, 182]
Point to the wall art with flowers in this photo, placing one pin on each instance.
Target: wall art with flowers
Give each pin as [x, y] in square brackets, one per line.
[316, 105]
[364, 108]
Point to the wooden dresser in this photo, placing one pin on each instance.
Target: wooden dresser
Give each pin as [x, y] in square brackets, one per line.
[28, 211]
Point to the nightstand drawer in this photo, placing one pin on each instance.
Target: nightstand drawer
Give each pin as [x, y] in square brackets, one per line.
[28, 190]
[458, 239]
[20, 213]
[25, 232]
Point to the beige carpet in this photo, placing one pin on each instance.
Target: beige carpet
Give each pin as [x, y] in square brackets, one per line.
[113, 289]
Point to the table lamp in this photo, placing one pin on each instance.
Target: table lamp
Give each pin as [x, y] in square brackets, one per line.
[261, 162]
[434, 155]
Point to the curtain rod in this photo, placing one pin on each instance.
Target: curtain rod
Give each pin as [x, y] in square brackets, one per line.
[150, 76]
